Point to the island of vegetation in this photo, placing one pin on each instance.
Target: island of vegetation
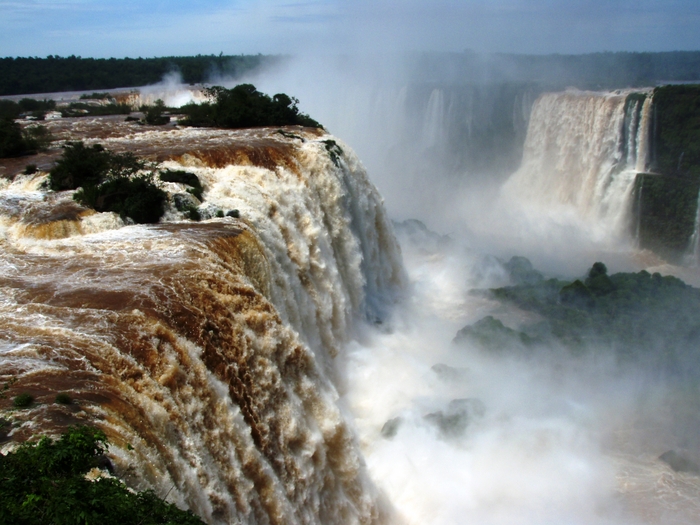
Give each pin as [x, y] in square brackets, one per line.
[638, 317]
[59, 482]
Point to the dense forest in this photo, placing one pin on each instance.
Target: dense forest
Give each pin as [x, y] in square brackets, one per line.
[591, 71]
[55, 74]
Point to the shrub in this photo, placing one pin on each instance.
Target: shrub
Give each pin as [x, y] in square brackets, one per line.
[37, 137]
[154, 114]
[180, 176]
[184, 177]
[23, 400]
[81, 109]
[94, 96]
[80, 165]
[30, 169]
[63, 399]
[113, 182]
[244, 106]
[11, 140]
[44, 482]
[193, 214]
[134, 197]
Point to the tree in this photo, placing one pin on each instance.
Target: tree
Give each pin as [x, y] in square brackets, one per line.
[43, 482]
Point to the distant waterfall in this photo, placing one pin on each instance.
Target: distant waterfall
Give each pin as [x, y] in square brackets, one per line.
[583, 150]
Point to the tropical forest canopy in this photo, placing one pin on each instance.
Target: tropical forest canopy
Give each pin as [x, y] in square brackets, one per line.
[54, 74]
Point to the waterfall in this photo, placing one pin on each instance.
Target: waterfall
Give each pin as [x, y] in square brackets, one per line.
[205, 350]
[434, 123]
[583, 151]
[693, 254]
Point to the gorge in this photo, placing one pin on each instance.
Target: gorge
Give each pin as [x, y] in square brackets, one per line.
[295, 365]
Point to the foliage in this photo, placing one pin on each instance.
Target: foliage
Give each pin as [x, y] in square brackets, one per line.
[184, 177]
[637, 315]
[181, 176]
[117, 182]
[491, 334]
[15, 142]
[23, 400]
[94, 96]
[44, 482]
[81, 109]
[154, 114]
[666, 210]
[334, 151]
[79, 166]
[11, 140]
[243, 107]
[37, 137]
[53, 74]
[135, 197]
[63, 399]
[676, 129]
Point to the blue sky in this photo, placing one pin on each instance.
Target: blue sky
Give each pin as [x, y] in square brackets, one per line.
[100, 28]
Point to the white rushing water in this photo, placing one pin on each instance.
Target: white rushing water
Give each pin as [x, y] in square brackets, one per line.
[205, 351]
[582, 153]
[294, 365]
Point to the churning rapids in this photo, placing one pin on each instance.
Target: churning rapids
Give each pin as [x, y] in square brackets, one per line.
[279, 367]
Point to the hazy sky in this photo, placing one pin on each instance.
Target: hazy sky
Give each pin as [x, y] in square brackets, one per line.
[102, 28]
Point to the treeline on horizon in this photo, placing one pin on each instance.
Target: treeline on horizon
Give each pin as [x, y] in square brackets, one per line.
[609, 70]
[596, 71]
[20, 76]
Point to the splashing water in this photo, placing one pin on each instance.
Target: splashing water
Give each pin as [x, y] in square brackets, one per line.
[205, 350]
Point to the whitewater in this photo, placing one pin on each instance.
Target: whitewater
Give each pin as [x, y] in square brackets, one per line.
[297, 364]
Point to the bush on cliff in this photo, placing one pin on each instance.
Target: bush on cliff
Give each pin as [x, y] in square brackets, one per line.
[243, 107]
[15, 142]
[43, 482]
[117, 182]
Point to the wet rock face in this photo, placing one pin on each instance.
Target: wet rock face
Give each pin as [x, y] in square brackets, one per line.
[453, 422]
[679, 463]
[391, 427]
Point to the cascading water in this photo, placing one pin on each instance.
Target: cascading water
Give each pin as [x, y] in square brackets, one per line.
[583, 151]
[693, 253]
[205, 350]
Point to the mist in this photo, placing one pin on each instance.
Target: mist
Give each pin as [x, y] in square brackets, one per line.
[452, 434]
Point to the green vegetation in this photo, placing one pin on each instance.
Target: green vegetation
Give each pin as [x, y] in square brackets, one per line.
[95, 96]
[54, 74]
[639, 316]
[23, 400]
[154, 114]
[666, 210]
[666, 200]
[44, 482]
[117, 182]
[80, 109]
[184, 177]
[677, 130]
[16, 142]
[26, 107]
[63, 399]
[334, 151]
[243, 107]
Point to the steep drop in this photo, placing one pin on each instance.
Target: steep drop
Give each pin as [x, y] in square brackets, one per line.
[205, 350]
[583, 152]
